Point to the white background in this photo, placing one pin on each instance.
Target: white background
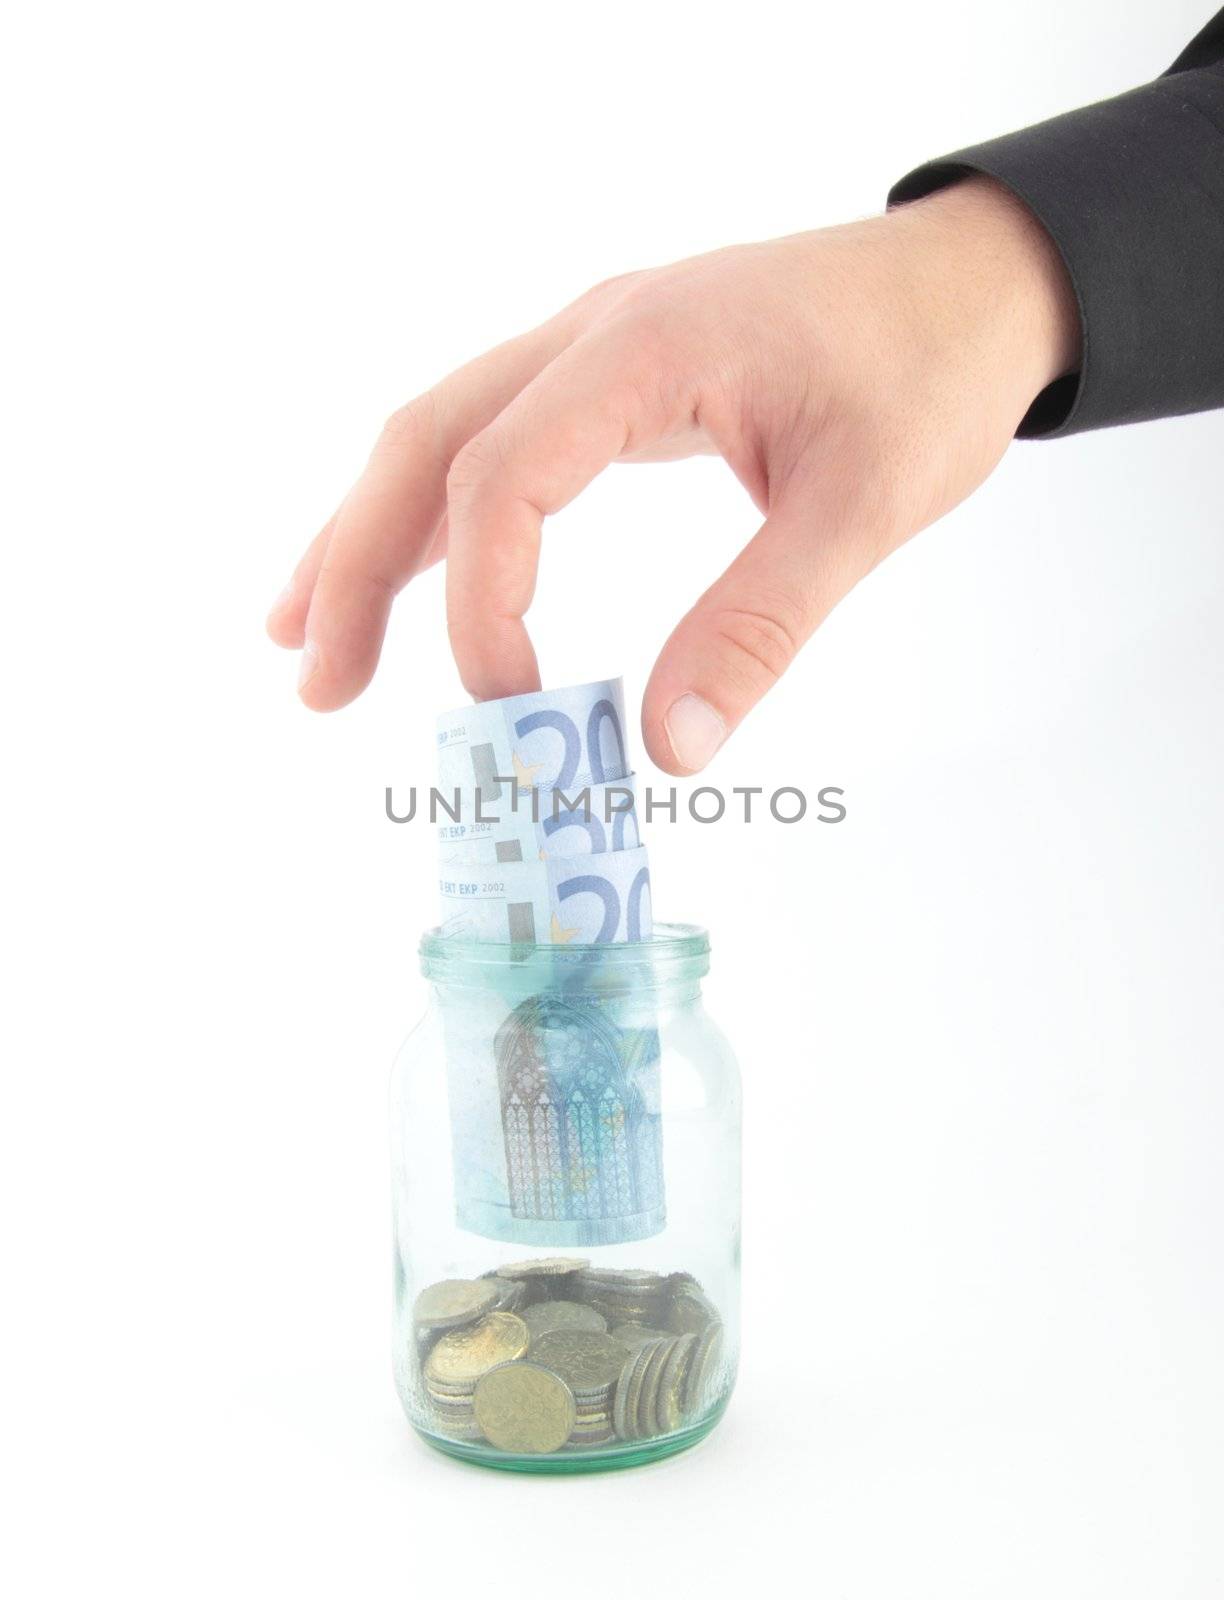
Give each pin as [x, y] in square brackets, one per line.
[980, 1021]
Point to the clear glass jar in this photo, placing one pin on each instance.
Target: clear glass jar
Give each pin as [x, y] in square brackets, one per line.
[566, 1193]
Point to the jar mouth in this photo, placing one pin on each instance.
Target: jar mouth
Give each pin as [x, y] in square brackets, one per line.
[676, 952]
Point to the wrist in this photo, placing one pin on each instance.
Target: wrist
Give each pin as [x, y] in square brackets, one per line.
[1005, 288]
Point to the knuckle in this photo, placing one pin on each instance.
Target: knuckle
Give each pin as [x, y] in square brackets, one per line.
[410, 426]
[762, 643]
[657, 331]
[473, 466]
[609, 290]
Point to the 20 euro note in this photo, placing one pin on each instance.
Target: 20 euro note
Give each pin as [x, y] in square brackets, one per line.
[533, 824]
[580, 899]
[555, 1104]
[533, 1051]
[552, 739]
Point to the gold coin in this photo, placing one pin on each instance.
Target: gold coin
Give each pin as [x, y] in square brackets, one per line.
[690, 1312]
[466, 1354]
[653, 1371]
[524, 1408]
[682, 1280]
[628, 1389]
[703, 1368]
[633, 1334]
[453, 1302]
[669, 1408]
[585, 1360]
[646, 1314]
[546, 1316]
[542, 1267]
[635, 1279]
[511, 1293]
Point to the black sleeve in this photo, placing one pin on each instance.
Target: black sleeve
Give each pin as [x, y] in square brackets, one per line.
[1132, 193]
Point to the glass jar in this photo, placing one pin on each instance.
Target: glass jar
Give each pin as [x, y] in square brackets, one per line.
[566, 1193]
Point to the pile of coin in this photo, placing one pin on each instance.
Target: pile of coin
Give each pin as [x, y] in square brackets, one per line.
[553, 1353]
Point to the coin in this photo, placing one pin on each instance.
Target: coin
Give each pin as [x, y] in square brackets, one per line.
[630, 1427]
[659, 1354]
[585, 1360]
[542, 1267]
[690, 1312]
[625, 1388]
[669, 1409]
[465, 1355]
[455, 1429]
[524, 1408]
[626, 1297]
[632, 1334]
[652, 1373]
[703, 1368]
[623, 1277]
[511, 1293]
[546, 1316]
[450, 1391]
[453, 1302]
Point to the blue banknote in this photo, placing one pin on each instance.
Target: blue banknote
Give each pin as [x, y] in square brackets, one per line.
[553, 739]
[556, 1116]
[579, 899]
[534, 824]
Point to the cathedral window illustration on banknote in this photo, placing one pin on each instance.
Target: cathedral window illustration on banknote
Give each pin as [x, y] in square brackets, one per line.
[582, 1142]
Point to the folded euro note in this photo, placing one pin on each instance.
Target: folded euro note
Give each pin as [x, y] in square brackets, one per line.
[552, 739]
[579, 899]
[544, 848]
[534, 824]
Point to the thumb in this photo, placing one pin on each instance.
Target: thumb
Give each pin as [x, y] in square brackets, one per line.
[743, 633]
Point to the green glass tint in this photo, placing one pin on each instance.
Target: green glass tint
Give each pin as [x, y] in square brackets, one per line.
[565, 1138]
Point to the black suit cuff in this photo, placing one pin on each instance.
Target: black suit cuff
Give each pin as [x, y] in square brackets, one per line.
[1132, 192]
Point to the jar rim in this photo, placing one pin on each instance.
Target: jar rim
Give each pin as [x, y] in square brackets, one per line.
[675, 951]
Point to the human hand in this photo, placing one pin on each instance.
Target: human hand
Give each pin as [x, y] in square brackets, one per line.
[859, 381]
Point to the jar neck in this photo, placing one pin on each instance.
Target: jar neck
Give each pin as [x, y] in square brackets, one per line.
[669, 965]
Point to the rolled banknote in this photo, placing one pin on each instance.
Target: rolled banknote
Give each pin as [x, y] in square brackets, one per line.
[533, 824]
[557, 738]
[561, 900]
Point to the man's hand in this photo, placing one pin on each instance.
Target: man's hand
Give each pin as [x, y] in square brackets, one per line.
[859, 381]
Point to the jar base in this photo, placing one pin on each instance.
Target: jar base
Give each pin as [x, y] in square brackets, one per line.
[596, 1460]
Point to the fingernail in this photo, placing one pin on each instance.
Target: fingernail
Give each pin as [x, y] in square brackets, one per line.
[282, 600]
[694, 731]
[309, 666]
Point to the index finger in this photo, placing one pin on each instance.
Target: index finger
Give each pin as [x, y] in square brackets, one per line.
[567, 425]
